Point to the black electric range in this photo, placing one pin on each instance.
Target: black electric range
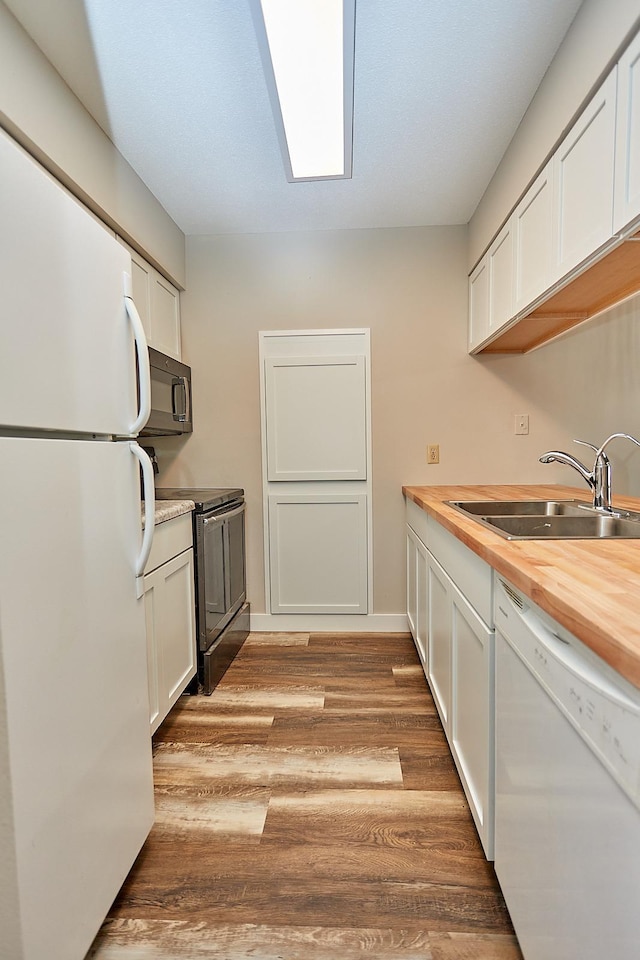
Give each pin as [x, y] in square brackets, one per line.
[222, 611]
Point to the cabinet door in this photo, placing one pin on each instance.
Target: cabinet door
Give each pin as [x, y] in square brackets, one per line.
[479, 304]
[412, 582]
[500, 260]
[583, 182]
[533, 241]
[316, 418]
[422, 598]
[318, 553]
[627, 174]
[171, 642]
[141, 277]
[439, 639]
[472, 706]
[165, 313]
[158, 303]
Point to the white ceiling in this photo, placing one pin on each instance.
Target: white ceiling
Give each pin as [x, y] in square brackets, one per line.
[440, 87]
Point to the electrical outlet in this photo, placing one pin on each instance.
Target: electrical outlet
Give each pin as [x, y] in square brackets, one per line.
[433, 453]
[521, 426]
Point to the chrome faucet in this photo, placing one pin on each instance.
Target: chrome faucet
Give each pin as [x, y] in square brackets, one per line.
[599, 478]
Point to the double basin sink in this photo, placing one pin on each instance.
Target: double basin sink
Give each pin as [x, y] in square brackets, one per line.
[550, 519]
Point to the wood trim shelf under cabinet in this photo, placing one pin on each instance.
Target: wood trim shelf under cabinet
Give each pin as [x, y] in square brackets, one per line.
[610, 280]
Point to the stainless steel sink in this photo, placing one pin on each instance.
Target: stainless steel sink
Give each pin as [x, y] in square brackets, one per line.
[565, 528]
[550, 519]
[522, 508]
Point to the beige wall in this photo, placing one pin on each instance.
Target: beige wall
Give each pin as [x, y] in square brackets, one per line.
[592, 43]
[39, 109]
[409, 287]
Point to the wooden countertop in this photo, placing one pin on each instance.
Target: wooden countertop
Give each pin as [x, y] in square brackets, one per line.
[592, 587]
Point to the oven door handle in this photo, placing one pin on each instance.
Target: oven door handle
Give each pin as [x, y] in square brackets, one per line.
[219, 517]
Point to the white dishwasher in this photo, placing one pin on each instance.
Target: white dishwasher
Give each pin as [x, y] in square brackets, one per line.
[567, 829]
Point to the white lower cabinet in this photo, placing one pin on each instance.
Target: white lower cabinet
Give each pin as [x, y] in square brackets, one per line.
[416, 593]
[412, 581]
[471, 727]
[438, 603]
[170, 616]
[449, 609]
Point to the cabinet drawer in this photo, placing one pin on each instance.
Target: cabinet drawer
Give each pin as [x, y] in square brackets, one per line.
[417, 519]
[169, 539]
[472, 576]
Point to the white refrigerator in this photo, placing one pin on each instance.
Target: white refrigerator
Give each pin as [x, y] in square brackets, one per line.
[76, 793]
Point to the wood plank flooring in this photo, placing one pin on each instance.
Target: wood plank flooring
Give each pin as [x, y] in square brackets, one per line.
[309, 810]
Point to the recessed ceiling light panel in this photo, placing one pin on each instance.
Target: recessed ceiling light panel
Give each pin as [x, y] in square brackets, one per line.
[307, 53]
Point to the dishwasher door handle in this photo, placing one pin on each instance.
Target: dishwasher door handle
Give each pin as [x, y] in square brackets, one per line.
[567, 654]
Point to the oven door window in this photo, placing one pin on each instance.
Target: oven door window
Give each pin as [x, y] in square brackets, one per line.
[222, 590]
[235, 558]
[214, 574]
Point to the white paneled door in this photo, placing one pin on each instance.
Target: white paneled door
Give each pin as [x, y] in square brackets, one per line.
[318, 553]
[316, 418]
[317, 471]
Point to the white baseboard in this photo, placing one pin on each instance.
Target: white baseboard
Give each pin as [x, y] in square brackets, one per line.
[329, 623]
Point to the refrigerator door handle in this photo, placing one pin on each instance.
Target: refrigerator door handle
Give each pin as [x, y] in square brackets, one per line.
[149, 514]
[142, 352]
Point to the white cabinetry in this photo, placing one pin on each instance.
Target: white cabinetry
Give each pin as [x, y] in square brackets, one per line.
[479, 304]
[491, 289]
[533, 241]
[316, 457]
[627, 178]
[449, 601]
[471, 728]
[417, 566]
[500, 262]
[537, 266]
[583, 168]
[316, 418]
[158, 303]
[318, 553]
[170, 615]
[439, 637]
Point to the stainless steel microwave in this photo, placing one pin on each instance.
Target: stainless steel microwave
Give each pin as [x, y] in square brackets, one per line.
[171, 412]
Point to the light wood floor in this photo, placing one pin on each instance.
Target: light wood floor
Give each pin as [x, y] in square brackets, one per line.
[310, 810]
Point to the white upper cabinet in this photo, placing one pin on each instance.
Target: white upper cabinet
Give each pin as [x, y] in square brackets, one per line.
[479, 304]
[583, 169]
[141, 279]
[491, 289]
[165, 317]
[533, 241]
[158, 303]
[500, 261]
[539, 264]
[627, 180]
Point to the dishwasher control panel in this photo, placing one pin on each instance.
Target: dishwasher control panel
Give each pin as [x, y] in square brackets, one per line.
[605, 714]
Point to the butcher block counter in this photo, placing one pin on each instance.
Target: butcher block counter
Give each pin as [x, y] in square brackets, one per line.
[591, 587]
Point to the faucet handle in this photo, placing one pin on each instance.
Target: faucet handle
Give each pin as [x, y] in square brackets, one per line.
[585, 443]
[623, 436]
